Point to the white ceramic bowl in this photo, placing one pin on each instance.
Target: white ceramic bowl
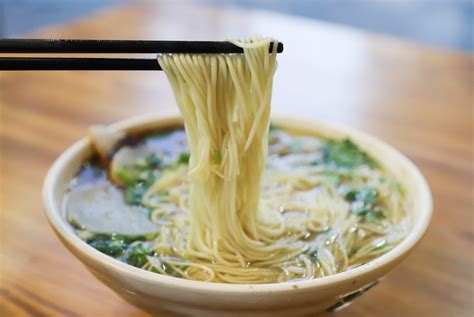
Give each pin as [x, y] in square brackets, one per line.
[164, 295]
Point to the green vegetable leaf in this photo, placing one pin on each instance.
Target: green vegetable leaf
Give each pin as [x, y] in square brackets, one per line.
[351, 195]
[345, 154]
[367, 195]
[182, 159]
[137, 256]
[126, 176]
[109, 247]
[358, 207]
[313, 255]
[134, 194]
[141, 164]
[363, 203]
[167, 268]
[376, 214]
[153, 161]
[146, 177]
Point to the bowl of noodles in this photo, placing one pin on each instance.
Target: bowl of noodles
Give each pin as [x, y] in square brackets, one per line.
[223, 211]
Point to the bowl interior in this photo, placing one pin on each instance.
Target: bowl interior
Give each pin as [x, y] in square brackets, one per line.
[418, 195]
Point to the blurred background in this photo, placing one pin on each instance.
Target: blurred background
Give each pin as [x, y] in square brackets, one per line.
[441, 23]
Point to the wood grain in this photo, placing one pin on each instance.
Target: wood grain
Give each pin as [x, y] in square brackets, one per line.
[418, 99]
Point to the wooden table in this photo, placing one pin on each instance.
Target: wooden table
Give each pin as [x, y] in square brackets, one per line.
[416, 98]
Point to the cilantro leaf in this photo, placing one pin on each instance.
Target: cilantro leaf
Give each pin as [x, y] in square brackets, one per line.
[345, 154]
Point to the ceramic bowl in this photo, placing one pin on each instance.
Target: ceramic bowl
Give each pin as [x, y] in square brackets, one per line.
[169, 296]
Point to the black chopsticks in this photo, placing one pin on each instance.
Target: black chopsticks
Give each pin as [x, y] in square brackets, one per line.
[119, 46]
[45, 63]
[40, 46]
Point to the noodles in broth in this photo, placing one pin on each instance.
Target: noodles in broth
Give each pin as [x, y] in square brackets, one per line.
[313, 208]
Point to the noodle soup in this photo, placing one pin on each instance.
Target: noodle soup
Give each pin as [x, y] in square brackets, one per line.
[329, 201]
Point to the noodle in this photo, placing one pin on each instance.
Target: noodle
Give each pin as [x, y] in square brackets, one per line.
[225, 103]
[234, 213]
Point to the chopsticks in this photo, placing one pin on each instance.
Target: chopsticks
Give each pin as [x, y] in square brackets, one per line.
[42, 46]
[119, 46]
[29, 63]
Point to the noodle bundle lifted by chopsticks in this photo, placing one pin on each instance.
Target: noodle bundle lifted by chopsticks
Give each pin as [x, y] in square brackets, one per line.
[225, 103]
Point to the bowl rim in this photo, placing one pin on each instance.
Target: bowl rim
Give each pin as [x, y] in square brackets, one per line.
[60, 226]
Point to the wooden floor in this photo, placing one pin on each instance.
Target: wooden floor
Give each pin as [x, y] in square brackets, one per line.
[419, 100]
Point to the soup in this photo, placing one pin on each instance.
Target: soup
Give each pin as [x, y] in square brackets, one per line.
[327, 198]
[227, 200]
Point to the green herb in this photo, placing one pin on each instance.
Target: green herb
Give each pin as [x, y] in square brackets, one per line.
[153, 161]
[167, 268]
[141, 164]
[146, 177]
[272, 127]
[109, 247]
[313, 255]
[137, 256]
[363, 203]
[116, 244]
[143, 171]
[134, 194]
[126, 176]
[150, 162]
[130, 239]
[94, 238]
[351, 195]
[182, 159]
[345, 154]
[376, 214]
[367, 195]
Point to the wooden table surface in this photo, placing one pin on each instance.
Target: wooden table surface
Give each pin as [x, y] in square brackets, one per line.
[418, 99]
